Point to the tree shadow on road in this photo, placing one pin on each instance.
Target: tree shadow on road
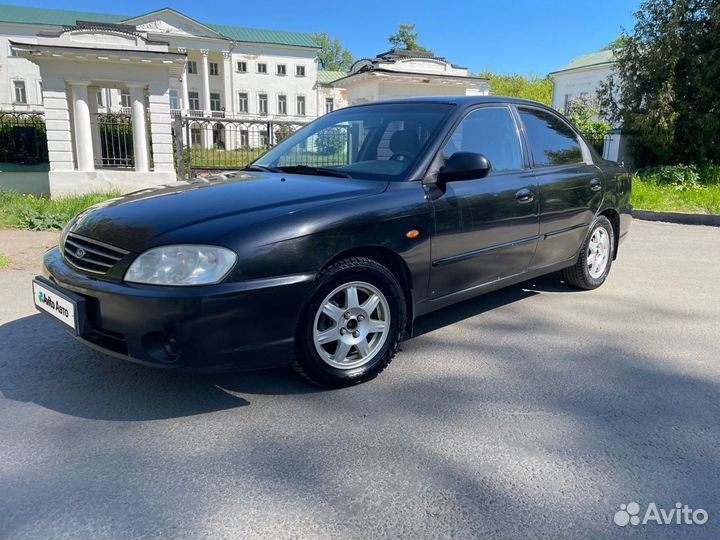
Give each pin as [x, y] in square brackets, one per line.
[41, 363]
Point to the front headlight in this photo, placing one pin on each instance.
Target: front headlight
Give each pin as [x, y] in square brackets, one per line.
[182, 265]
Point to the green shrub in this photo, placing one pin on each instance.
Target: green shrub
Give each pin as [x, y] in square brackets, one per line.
[680, 177]
[680, 188]
[43, 214]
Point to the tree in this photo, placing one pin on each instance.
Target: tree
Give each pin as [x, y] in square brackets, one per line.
[406, 38]
[332, 55]
[665, 90]
[616, 43]
[519, 86]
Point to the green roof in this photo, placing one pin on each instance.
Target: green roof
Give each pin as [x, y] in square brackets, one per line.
[256, 35]
[53, 17]
[587, 60]
[327, 77]
[56, 17]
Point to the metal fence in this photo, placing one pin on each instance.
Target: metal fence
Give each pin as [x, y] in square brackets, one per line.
[23, 137]
[115, 138]
[211, 144]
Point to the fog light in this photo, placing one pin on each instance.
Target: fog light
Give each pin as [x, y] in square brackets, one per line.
[170, 346]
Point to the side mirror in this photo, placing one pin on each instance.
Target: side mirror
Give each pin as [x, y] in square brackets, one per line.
[464, 166]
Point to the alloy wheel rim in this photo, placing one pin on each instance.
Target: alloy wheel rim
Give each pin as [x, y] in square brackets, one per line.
[598, 252]
[351, 325]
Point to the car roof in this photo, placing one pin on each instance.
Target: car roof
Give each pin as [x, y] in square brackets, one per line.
[457, 100]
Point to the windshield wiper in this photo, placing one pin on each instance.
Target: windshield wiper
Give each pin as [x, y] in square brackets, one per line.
[320, 171]
[261, 168]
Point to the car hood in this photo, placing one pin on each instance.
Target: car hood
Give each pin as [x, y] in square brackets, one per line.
[145, 218]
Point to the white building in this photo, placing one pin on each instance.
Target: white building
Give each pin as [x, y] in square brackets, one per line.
[124, 102]
[581, 77]
[231, 71]
[402, 73]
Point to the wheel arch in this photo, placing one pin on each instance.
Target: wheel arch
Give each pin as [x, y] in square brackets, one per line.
[614, 217]
[393, 262]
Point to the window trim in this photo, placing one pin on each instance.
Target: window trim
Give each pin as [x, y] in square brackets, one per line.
[218, 100]
[267, 103]
[195, 68]
[587, 157]
[304, 69]
[297, 109]
[524, 155]
[277, 70]
[247, 102]
[124, 92]
[257, 68]
[279, 112]
[176, 97]
[237, 66]
[191, 99]
[216, 70]
[24, 91]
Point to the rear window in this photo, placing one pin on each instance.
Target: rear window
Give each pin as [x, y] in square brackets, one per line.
[552, 142]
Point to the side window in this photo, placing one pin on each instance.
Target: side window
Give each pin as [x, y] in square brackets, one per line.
[489, 131]
[552, 142]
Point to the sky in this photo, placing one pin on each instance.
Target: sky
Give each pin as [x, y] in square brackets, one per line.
[531, 37]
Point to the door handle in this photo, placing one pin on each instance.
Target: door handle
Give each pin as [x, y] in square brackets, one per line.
[524, 196]
[595, 184]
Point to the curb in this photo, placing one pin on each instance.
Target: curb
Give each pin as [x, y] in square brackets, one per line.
[678, 217]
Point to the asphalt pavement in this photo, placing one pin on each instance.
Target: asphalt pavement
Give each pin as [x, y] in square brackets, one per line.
[535, 411]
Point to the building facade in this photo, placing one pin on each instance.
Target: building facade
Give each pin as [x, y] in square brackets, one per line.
[581, 77]
[231, 72]
[112, 102]
[402, 73]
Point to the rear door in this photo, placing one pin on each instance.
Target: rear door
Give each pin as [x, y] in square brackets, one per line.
[570, 186]
[485, 228]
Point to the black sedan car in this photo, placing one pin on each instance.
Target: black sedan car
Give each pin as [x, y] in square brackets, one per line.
[323, 252]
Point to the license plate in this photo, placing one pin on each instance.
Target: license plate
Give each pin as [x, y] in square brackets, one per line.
[59, 305]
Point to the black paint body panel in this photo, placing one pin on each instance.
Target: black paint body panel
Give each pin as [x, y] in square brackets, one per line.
[474, 237]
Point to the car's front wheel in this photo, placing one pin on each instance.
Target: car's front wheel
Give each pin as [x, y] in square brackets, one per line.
[351, 327]
[596, 255]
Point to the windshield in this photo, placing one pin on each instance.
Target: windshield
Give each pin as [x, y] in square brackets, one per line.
[376, 142]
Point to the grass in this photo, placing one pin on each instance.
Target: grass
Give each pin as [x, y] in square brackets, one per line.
[43, 214]
[5, 262]
[662, 198]
[678, 189]
[213, 157]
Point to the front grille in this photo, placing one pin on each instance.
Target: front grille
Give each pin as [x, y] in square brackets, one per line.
[91, 255]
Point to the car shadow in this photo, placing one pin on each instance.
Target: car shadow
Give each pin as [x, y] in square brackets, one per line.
[42, 364]
[487, 302]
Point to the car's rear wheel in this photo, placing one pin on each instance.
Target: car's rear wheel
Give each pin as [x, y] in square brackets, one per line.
[351, 327]
[596, 255]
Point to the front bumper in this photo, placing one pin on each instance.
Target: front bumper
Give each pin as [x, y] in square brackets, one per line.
[247, 325]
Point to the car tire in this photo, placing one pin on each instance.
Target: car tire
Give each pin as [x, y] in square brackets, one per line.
[595, 259]
[343, 337]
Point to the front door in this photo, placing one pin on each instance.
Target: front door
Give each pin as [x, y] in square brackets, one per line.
[570, 186]
[486, 228]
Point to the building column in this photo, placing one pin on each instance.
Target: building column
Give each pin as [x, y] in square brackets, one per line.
[83, 128]
[227, 83]
[139, 127]
[205, 74]
[93, 106]
[184, 80]
[185, 96]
